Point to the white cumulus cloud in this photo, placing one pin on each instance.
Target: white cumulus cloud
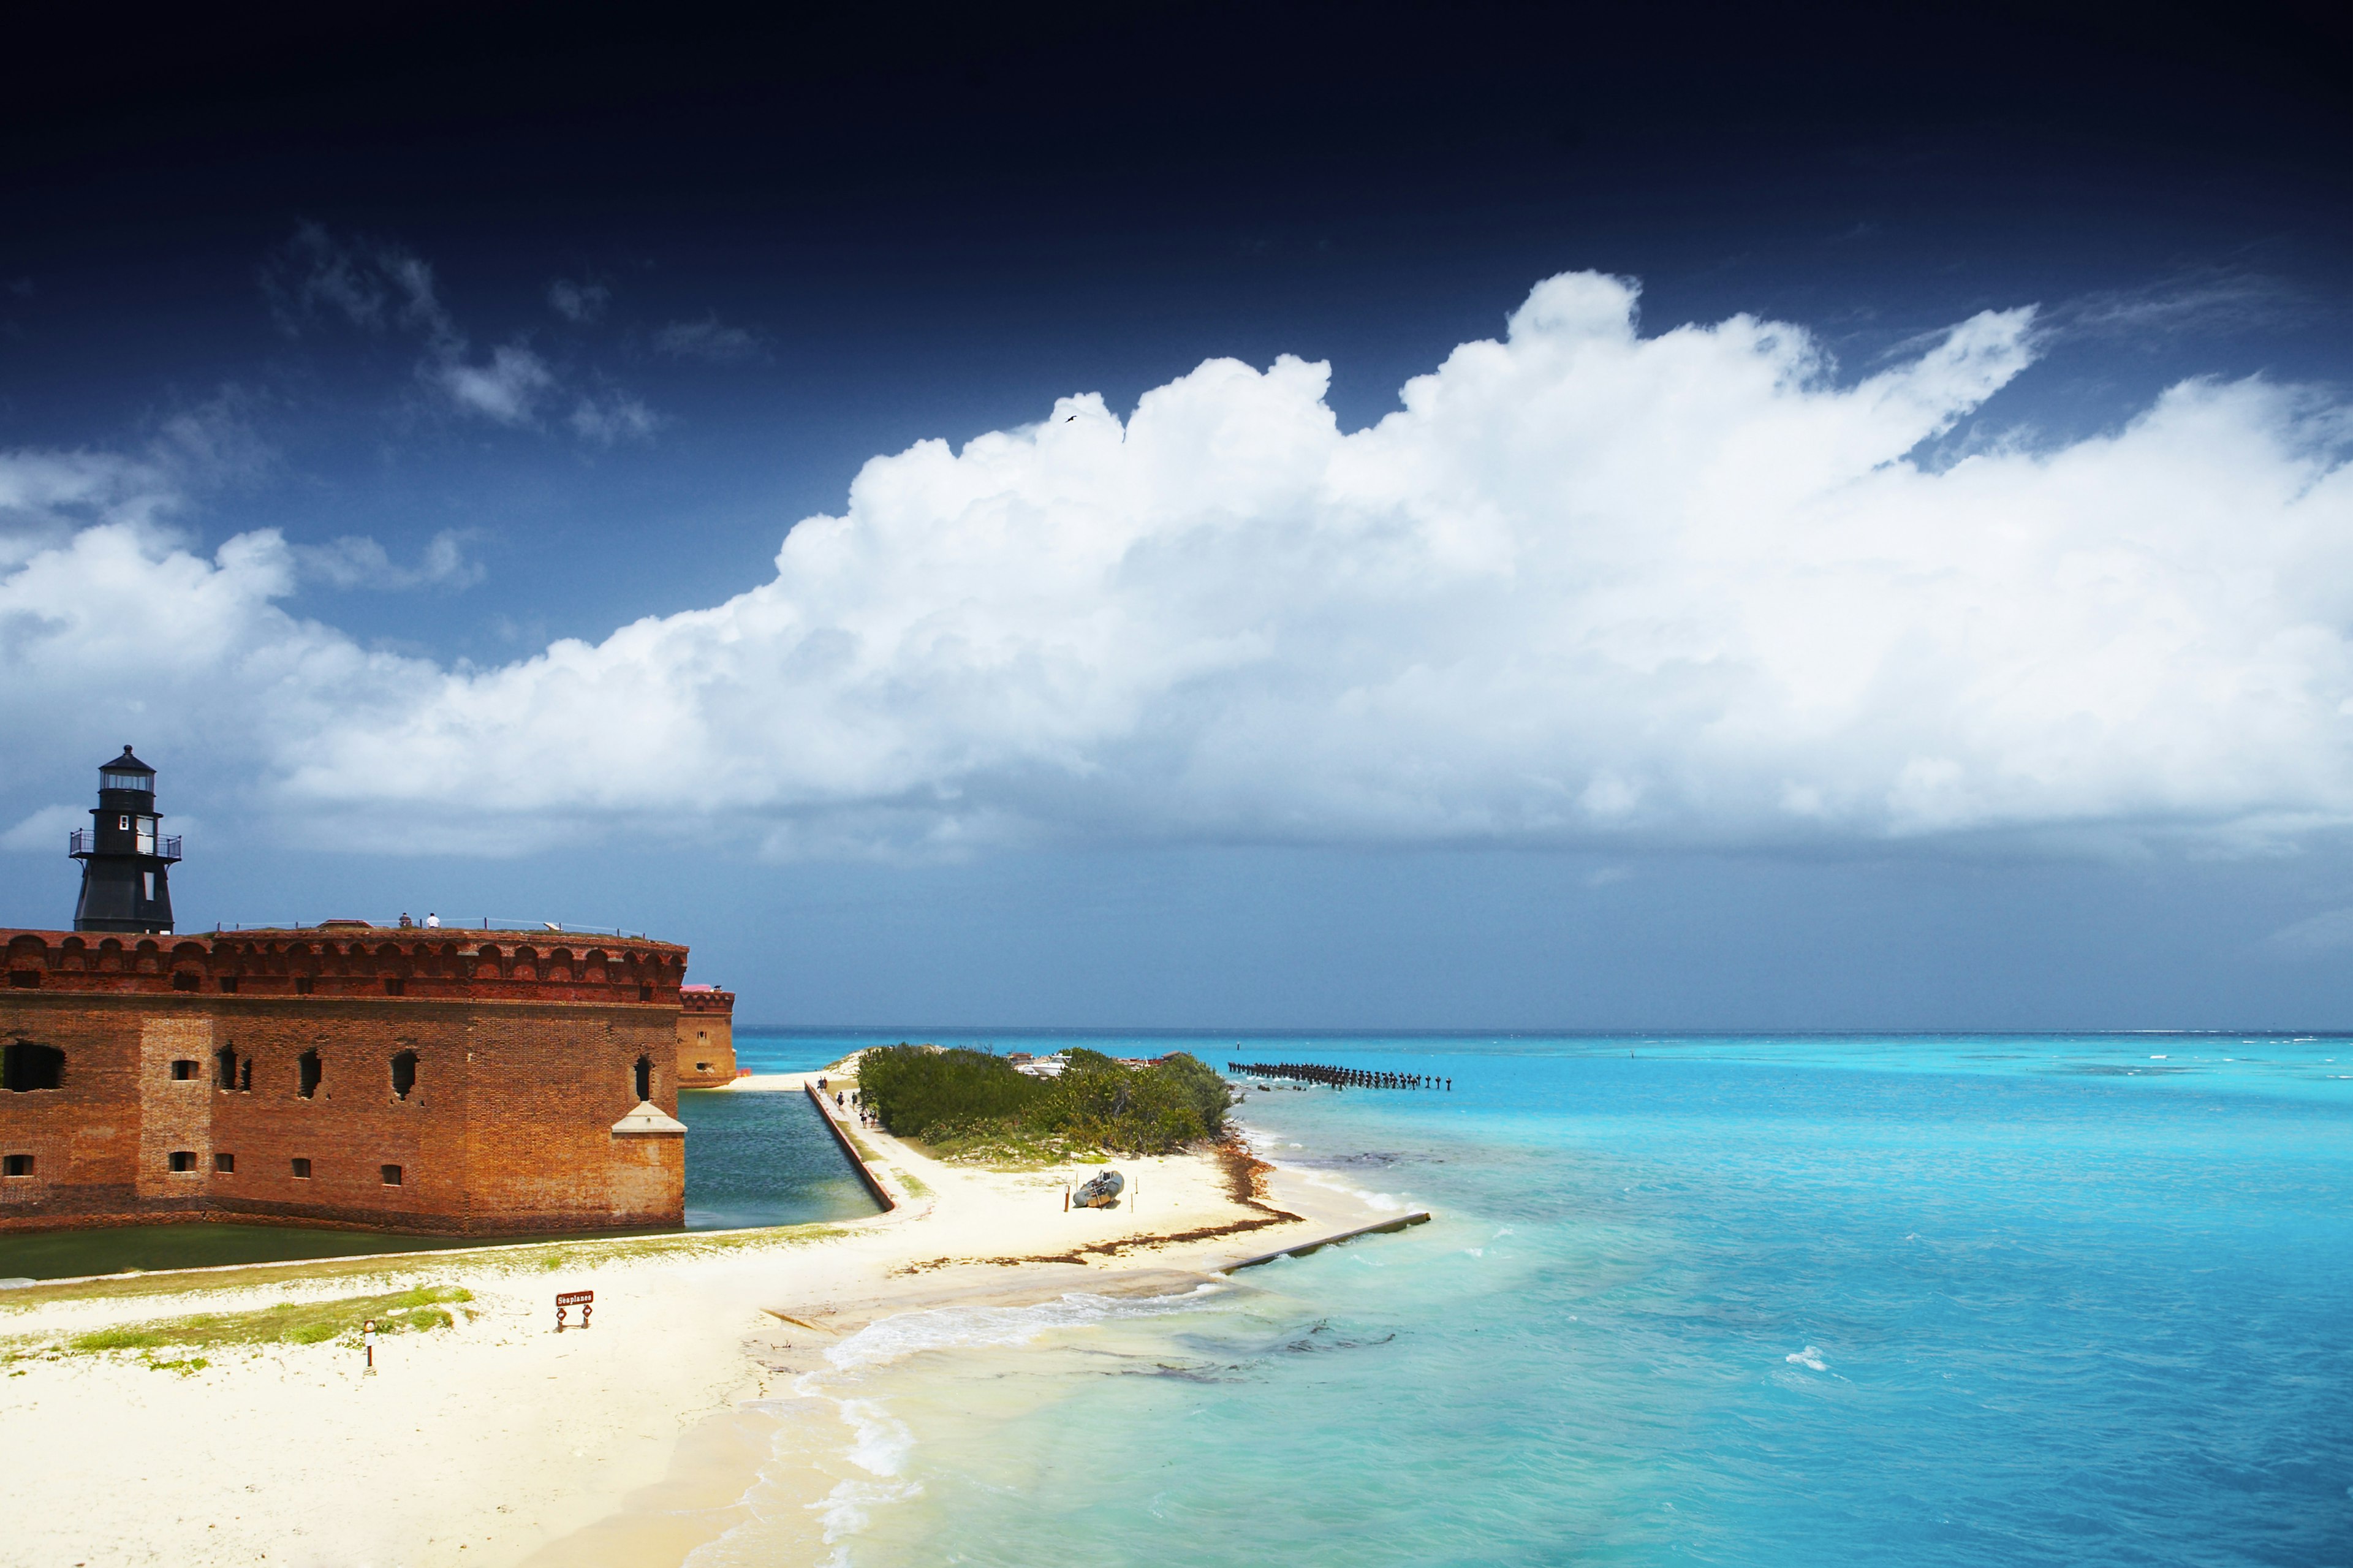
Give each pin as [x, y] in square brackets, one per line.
[374, 285]
[613, 419]
[1584, 587]
[356, 561]
[44, 832]
[505, 388]
[46, 495]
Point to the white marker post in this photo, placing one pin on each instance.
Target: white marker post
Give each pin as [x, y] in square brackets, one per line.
[367, 1342]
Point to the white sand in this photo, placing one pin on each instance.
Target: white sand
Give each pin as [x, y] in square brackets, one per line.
[500, 1440]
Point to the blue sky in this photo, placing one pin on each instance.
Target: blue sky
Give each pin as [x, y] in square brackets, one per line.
[1887, 566]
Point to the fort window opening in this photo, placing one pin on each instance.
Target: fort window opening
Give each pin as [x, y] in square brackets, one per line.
[25, 979]
[301, 985]
[183, 1070]
[645, 1078]
[183, 1160]
[25, 1067]
[307, 1066]
[644, 992]
[302, 1170]
[392, 1175]
[225, 1069]
[404, 1078]
[245, 1075]
[18, 1165]
[702, 1067]
[185, 982]
[225, 1165]
[393, 985]
[229, 983]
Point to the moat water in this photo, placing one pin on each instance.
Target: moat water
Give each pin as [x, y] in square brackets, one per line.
[751, 1159]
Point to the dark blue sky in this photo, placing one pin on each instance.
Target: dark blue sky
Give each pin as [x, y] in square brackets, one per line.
[728, 265]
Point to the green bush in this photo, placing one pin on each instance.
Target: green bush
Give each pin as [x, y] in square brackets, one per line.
[290, 1323]
[973, 1101]
[919, 1093]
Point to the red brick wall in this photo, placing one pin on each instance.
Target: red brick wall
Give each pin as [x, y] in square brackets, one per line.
[706, 1038]
[523, 1065]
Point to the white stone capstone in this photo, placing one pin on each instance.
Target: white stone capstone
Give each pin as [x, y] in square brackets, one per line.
[646, 1118]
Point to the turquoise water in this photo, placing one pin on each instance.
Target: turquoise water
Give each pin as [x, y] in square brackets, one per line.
[751, 1159]
[1922, 1301]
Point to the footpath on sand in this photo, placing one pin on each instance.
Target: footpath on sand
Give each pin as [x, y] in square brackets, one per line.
[136, 1439]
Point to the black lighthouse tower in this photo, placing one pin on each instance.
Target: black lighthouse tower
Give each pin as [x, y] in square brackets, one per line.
[124, 860]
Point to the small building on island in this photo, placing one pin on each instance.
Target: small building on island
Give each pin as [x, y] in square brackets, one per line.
[437, 1080]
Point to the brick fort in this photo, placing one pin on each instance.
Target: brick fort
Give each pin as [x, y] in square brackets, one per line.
[412, 1078]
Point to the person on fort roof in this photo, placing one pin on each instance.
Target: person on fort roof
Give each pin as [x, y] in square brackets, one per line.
[432, 920]
[404, 921]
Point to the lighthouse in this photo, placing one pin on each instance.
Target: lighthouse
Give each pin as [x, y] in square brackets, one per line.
[125, 860]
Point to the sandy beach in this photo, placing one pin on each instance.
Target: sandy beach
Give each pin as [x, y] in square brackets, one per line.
[500, 1440]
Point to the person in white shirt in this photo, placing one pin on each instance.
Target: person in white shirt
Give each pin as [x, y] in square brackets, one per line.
[432, 921]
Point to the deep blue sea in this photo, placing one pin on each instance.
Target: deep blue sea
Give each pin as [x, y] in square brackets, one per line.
[1914, 1301]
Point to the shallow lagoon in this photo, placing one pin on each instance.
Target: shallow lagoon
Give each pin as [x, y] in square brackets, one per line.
[1947, 1301]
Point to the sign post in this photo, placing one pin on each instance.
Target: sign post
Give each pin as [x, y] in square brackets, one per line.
[583, 1299]
[367, 1340]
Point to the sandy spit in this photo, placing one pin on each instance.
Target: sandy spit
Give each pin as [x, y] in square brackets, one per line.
[501, 1441]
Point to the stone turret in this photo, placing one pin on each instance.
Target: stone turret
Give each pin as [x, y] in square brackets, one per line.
[706, 1036]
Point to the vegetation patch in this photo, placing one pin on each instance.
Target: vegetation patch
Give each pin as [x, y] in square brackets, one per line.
[971, 1105]
[290, 1323]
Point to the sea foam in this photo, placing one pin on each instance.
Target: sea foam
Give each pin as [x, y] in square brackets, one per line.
[951, 1327]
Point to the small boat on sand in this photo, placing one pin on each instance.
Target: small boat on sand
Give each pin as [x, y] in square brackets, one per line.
[1099, 1192]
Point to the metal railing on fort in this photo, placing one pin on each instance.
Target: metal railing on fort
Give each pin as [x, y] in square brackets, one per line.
[84, 841]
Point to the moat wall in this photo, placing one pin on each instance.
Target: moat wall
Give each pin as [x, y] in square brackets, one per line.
[458, 1083]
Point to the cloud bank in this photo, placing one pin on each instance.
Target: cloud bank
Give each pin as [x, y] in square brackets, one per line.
[1584, 588]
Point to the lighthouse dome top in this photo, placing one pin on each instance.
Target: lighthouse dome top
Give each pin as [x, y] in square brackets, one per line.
[126, 771]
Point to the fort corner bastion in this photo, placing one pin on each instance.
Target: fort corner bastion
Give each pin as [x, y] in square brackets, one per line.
[706, 1036]
[442, 1081]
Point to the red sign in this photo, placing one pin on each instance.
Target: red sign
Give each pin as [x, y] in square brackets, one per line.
[575, 1297]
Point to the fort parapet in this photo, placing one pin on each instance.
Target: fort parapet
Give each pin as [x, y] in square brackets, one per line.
[433, 1080]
